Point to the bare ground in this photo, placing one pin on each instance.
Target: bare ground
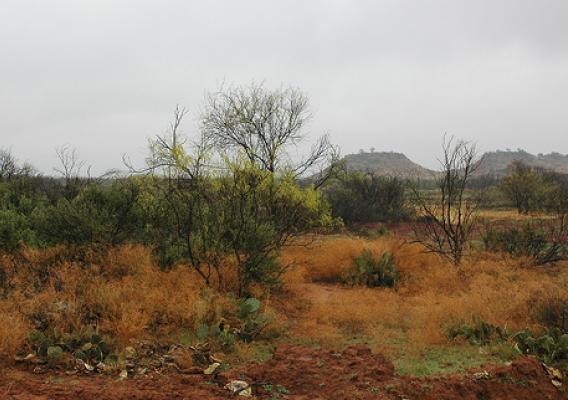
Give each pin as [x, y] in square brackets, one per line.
[296, 373]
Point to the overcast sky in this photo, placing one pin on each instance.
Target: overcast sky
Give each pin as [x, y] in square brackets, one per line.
[102, 76]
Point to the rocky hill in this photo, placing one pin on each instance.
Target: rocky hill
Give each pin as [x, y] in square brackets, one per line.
[493, 163]
[497, 162]
[387, 163]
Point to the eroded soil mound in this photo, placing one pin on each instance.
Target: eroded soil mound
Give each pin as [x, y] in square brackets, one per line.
[305, 372]
[297, 373]
[524, 379]
[22, 385]
[358, 374]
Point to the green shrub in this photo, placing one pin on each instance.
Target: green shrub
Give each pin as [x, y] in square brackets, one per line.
[524, 187]
[98, 214]
[246, 325]
[87, 346]
[66, 222]
[551, 347]
[372, 271]
[358, 197]
[478, 333]
[378, 232]
[253, 321]
[543, 243]
[168, 253]
[14, 230]
[524, 241]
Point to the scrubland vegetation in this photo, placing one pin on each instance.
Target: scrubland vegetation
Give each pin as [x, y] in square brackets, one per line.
[224, 240]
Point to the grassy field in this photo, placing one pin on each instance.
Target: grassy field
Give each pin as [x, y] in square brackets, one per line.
[125, 297]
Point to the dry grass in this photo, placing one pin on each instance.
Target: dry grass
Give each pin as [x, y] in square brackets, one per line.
[431, 295]
[511, 215]
[123, 295]
[13, 331]
[327, 260]
[120, 293]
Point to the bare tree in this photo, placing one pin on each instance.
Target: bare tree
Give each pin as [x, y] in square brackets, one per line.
[70, 164]
[266, 126]
[448, 219]
[70, 168]
[8, 165]
[10, 168]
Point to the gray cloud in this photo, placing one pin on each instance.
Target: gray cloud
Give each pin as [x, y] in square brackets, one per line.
[103, 75]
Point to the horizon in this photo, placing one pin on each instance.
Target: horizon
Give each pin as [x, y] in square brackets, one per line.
[363, 151]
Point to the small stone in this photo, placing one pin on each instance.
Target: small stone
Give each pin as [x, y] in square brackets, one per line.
[210, 370]
[240, 388]
[482, 375]
[555, 375]
[89, 367]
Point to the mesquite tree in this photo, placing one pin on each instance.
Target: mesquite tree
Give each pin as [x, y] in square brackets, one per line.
[267, 127]
[220, 211]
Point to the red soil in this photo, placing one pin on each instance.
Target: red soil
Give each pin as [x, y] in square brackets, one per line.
[355, 373]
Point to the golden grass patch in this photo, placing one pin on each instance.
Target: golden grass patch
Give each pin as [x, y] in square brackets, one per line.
[431, 295]
[122, 294]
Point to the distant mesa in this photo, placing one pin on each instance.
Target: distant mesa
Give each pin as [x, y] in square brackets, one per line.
[495, 163]
[387, 164]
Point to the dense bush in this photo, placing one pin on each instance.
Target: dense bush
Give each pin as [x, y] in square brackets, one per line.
[523, 187]
[556, 198]
[517, 241]
[543, 241]
[14, 230]
[535, 189]
[98, 214]
[44, 211]
[358, 197]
